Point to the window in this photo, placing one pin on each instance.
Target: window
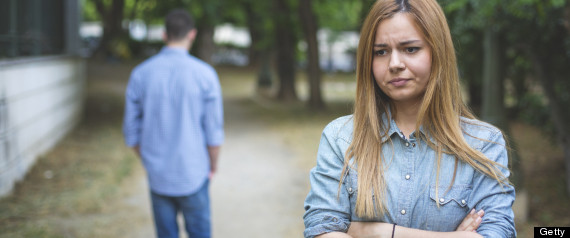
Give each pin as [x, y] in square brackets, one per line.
[31, 28]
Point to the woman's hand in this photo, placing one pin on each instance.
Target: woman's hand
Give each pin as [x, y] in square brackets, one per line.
[472, 221]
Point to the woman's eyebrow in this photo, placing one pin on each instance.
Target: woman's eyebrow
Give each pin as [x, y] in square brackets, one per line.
[409, 42]
[403, 43]
[381, 45]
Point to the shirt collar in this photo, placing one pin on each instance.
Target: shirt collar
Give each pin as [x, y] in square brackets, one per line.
[173, 50]
[393, 128]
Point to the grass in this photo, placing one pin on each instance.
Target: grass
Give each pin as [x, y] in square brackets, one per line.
[91, 167]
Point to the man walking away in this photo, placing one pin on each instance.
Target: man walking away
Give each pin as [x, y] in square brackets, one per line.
[174, 122]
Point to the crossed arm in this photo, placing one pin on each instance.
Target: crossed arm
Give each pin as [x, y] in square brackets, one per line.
[380, 230]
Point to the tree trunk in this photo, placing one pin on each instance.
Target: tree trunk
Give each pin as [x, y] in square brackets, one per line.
[205, 46]
[285, 43]
[264, 81]
[313, 69]
[493, 108]
[254, 24]
[112, 18]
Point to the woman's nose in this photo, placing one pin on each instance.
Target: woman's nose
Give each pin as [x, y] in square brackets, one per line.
[396, 64]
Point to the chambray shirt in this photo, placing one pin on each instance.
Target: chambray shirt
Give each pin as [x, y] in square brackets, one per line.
[410, 198]
[173, 111]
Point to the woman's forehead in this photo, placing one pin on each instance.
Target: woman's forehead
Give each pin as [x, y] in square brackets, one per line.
[398, 28]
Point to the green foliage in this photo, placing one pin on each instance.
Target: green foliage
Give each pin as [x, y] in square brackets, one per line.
[338, 15]
[526, 27]
[89, 11]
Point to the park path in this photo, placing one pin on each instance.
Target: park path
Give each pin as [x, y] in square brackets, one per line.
[257, 191]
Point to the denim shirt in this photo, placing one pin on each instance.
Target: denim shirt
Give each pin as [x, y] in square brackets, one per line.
[410, 171]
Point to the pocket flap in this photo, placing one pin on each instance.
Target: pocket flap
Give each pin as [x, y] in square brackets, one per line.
[457, 193]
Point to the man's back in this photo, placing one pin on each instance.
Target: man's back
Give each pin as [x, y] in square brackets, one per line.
[173, 112]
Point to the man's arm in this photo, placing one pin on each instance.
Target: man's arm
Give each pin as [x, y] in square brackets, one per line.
[214, 152]
[137, 150]
[132, 120]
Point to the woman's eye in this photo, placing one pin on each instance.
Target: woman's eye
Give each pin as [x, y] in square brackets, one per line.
[380, 52]
[412, 49]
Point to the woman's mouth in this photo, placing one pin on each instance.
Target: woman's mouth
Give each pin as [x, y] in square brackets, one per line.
[399, 82]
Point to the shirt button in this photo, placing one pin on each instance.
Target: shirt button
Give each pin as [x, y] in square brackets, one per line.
[441, 200]
[407, 177]
[463, 202]
[403, 212]
[407, 144]
[349, 189]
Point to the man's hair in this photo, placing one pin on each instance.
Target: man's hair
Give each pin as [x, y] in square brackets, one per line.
[178, 23]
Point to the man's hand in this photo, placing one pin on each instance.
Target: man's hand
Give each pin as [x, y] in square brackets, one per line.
[137, 150]
[472, 221]
[213, 152]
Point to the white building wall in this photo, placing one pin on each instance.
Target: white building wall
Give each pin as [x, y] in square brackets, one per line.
[40, 101]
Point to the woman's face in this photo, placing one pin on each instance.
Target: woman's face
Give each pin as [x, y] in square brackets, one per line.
[401, 62]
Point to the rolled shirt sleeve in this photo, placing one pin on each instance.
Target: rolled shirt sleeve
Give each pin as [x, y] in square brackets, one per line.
[494, 199]
[213, 121]
[132, 120]
[326, 208]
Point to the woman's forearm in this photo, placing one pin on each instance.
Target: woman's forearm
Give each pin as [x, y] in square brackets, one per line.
[334, 235]
[382, 230]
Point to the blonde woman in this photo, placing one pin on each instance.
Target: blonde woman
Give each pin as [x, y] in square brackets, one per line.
[412, 161]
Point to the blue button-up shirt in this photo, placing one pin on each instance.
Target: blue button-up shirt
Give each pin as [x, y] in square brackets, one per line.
[173, 111]
[410, 173]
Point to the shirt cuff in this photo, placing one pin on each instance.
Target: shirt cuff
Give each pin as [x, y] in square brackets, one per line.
[215, 139]
[326, 225]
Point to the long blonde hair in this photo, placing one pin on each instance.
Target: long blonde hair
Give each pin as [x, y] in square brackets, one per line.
[439, 112]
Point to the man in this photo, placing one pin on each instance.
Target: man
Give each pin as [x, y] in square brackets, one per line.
[174, 122]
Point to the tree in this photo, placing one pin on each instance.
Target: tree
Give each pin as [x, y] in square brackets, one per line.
[207, 13]
[310, 28]
[261, 30]
[111, 15]
[285, 42]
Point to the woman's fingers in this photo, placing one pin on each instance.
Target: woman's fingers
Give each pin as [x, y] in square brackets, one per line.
[472, 221]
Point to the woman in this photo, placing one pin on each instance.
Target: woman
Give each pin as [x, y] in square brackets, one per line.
[411, 161]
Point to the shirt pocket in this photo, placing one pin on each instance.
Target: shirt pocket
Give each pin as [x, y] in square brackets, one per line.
[446, 211]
